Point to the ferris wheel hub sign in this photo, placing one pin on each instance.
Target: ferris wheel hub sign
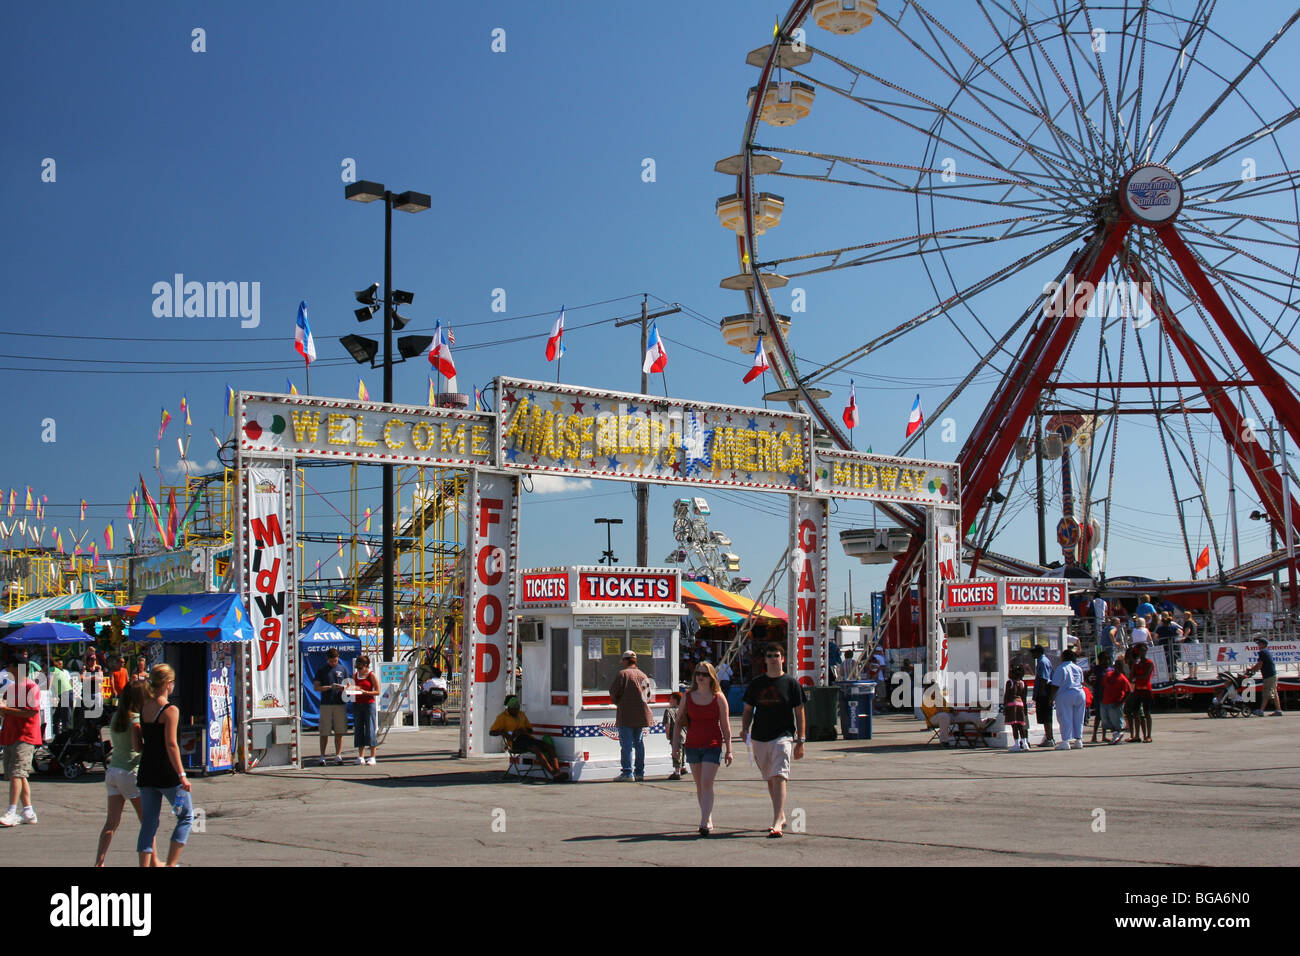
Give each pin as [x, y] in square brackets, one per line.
[1151, 195]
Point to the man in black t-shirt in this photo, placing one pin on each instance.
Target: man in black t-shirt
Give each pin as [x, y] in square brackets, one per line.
[774, 706]
[333, 710]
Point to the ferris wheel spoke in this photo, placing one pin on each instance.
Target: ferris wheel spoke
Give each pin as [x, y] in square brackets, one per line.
[1218, 240]
[1232, 86]
[1286, 187]
[965, 83]
[1198, 25]
[1037, 211]
[973, 289]
[918, 104]
[1268, 129]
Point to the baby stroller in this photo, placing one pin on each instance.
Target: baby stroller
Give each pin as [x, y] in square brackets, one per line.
[1229, 703]
[72, 750]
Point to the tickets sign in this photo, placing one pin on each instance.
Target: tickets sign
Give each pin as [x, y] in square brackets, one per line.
[305, 427]
[848, 474]
[1036, 594]
[580, 432]
[539, 588]
[971, 595]
[628, 587]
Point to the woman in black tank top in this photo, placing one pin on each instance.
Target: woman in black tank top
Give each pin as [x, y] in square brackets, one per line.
[161, 775]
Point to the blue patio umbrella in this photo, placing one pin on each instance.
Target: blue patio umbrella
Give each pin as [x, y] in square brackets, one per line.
[47, 633]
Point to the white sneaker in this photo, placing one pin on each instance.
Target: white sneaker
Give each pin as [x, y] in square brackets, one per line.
[1076, 744]
[338, 760]
[29, 815]
[10, 819]
[361, 761]
[1063, 745]
[371, 761]
[320, 761]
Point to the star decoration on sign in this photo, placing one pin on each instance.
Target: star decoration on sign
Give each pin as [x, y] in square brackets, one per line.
[596, 405]
[613, 463]
[510, 398]
[631, 409]
[677, 466]
[534, 459]
[532, 397]
[640, 464]
[557, 403]
[512, 453]
[577, 406]
[794, 479]
[560, 462]
[789, 427]
[771, 425]
[753, 423]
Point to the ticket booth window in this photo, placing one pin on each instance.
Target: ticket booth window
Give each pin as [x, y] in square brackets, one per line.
[602, 659]
[1020, 640]
[988, 637]
[559, 660]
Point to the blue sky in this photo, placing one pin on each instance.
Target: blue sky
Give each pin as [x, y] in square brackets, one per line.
[225, 165]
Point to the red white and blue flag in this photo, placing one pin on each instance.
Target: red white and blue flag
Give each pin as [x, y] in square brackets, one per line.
[851, 412]
[915, 419]
[760, 363]
[656, 356]
[555, 344]
[440, 353]
[302, 340]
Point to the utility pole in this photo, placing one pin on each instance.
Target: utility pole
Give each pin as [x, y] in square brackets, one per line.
[1038, 467]
[643, 488]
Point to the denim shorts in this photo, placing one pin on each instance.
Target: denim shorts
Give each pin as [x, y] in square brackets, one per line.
[704, 755]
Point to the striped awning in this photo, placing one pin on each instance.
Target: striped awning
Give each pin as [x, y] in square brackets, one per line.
[714, 607]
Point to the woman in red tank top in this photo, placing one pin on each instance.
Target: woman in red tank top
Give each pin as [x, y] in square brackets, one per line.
[708, 736]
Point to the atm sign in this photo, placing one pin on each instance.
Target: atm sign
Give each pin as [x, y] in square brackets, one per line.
[545, 588]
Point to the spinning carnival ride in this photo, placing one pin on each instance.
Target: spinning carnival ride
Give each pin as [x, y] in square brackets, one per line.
[1085, 216]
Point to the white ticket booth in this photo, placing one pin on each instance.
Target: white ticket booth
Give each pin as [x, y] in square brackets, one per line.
[990, 624]
[575, 624]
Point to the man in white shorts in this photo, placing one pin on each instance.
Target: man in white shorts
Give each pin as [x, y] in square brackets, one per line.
[774, 705]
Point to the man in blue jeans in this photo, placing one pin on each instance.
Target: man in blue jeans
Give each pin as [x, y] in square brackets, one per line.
[631, 694]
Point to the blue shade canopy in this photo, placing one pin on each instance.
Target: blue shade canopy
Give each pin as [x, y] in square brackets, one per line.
[181, 618]
[47, 633]
[321, 633]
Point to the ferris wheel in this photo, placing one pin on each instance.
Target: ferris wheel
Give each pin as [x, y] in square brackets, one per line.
[1074, 223]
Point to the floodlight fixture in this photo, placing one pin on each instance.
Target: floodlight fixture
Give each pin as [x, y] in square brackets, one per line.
[361, 349]
[364, 191]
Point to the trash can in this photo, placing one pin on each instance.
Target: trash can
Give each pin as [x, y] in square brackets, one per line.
[736, 699]
[855, 708]
[821, 708]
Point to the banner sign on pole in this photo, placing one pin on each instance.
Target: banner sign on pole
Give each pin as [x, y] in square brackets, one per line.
[586, 433]
[806, 658]
[487, 663]
[267, 577]
[850, 474]
[302, 426]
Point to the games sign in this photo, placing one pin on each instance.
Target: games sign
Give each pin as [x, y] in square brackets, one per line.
[588, 433]
[302, 426]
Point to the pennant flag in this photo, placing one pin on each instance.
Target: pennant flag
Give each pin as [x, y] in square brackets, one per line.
[433, 396]
[915, 419]
[290, 387]
[185, 409]
[368, 514]
[58, 542]
[340, 551]
[656, 356]
[555, 344]
[166, 417]
[108, 538]
[440, 353]
[152, 507]
[30, 505]
[363, 393]
[94, 553]
[40, 510]
[83, 509]
[1203, 561]
[130, 530]
[478, 399]
[172, 518]
[760, 363]
[130, 508]
[13, 501]
[302, 340]
[851, 412]
[230, 401]
[190, 511]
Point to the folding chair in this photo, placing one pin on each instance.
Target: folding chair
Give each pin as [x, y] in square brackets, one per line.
[974, 732]
[526, 766]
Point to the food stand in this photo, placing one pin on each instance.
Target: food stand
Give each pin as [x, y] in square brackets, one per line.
[575, 626]
[992, 623]
[201, 636]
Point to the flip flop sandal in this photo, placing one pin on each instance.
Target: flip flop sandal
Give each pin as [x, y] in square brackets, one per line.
[773, 833]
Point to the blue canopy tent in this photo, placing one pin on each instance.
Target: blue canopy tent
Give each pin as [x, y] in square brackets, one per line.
[199, 634]
[314, 643]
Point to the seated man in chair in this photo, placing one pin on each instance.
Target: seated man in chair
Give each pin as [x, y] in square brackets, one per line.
[514, 726]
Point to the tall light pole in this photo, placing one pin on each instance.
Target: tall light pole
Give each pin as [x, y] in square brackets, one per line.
[608, 556]
[642, 488]
[365, 191]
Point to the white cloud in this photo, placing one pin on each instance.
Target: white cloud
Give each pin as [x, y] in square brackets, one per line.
[554, 484]
[195, 467]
